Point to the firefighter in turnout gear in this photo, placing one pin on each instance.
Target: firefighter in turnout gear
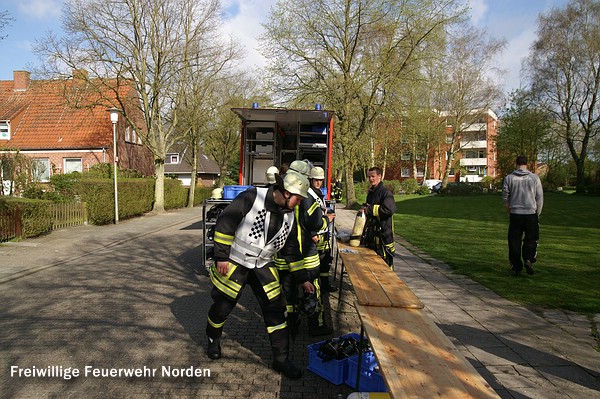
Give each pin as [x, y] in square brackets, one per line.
[257, 224]
[317, 177]
[379, 209]
[310, 219]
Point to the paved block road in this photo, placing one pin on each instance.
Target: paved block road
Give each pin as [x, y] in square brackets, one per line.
[125, 307]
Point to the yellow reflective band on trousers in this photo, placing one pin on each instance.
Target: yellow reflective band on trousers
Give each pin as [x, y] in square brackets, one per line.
[312, 262]
[323, 243]
[223, 283]
[391, 247]
[291, 308]
[376, 210]
[215, 325]
[223, 238]
[273, 289]
[278, 327]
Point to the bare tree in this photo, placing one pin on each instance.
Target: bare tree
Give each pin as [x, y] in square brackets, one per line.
[5, 20]
[222, 139]
[465, 87]
[348, 54]
[154, 46]
[564, 67]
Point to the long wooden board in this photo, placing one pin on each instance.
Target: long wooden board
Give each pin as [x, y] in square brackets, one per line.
[375, 284]
[416, 359]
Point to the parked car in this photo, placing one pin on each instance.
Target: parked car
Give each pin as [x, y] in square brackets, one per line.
[433, 185]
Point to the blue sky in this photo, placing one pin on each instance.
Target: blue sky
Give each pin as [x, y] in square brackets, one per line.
[514, 20]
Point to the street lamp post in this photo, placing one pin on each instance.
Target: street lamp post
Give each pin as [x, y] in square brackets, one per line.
[114, 118]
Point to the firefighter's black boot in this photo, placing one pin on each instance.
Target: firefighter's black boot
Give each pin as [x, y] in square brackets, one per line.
[326, 285]
[286, 368]
[281, 349]
[213, 349]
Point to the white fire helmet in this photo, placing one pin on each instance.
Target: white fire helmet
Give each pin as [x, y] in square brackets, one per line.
[296, 183]
[270, 174]
[317, 173]
[302, 167]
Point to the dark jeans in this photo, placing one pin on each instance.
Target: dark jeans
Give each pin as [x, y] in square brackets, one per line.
[523, 236]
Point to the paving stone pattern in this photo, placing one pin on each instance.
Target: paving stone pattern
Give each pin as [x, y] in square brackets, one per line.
[133, 296]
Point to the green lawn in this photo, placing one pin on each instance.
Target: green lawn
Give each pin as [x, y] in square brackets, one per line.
[469, 234]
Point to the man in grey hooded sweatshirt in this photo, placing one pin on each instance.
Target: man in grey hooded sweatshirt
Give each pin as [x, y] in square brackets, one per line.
[523, 199]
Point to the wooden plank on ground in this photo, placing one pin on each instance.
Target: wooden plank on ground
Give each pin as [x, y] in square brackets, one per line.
[416, 359]
[367, 288]
[375, 284]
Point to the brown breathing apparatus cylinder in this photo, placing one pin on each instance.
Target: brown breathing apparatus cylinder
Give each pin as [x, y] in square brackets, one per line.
[357, 230]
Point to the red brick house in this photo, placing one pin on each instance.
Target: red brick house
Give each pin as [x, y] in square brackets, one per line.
[54, 122]
[476, 158]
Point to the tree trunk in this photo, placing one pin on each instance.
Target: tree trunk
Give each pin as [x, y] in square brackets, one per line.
[350, 193]
[193, 179]
[159, 188]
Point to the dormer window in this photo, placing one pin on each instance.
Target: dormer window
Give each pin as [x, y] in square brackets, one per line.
[172, 158]
[4, 130]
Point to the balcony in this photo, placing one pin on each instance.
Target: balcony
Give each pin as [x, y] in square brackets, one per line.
[473, 162]
[473, 144]
[473, 127]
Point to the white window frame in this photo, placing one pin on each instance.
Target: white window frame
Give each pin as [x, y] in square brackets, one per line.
[68, 161]
[45, 175]
[405, 172]
[172, 158]
[5, 130]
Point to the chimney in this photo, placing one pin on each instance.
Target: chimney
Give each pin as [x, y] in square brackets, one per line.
[21, 80]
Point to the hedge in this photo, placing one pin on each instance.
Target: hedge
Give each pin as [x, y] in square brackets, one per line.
[35, 214]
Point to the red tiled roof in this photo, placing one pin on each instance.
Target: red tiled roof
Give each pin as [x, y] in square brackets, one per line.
[42, 118]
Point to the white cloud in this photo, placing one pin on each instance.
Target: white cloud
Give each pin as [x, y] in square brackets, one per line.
[40, 9]
[245, 26]
[516, 51]
[479, 9]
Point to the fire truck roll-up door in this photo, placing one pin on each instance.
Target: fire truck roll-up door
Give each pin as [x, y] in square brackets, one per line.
[273, 136]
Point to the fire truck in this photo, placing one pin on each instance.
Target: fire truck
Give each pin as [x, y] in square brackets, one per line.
[272, 137]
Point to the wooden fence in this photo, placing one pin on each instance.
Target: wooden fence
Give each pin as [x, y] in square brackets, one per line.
[10, 224]
[68, 214]
[63, 215]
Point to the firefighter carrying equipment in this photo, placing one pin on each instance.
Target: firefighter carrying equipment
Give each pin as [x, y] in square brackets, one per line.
[357, 230]
[250, 246]
[270, 174]
[317, 173]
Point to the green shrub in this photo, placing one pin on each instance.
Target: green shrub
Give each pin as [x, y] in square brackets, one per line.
[175, 194]
[409, 186]
[462, 189]
[64, 185]
[394, 185]
[201, 193]
[135, 198]
[423, 190]
[35, 215]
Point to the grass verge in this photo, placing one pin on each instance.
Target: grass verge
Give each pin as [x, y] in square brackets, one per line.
[469, 234]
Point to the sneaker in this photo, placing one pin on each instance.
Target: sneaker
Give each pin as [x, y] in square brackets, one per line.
[316, 331]
[288, 369]
[213, 349]
[528, 267]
